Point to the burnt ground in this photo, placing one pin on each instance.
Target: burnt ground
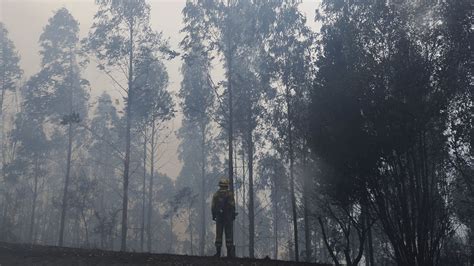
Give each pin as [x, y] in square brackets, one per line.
[26, 254]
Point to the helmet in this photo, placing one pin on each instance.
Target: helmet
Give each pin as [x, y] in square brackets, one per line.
[224, 182]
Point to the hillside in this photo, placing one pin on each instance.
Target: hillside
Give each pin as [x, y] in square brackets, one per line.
[25, 254]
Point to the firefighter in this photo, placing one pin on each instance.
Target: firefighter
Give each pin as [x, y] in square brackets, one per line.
[223, 212]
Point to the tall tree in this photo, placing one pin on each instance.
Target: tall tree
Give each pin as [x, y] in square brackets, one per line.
[10, 73]
[32, 146]
[31, 149]
[64, 88]
[290, 45]
[120, 32]
[154, 106]
[197, 103]
[380, 116]
[273, 174]
[220, 21]
[105, 155]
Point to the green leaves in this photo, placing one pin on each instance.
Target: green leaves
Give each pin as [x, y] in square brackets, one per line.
[59, 40]
[152, 100]
[9, 62]
[122, 27]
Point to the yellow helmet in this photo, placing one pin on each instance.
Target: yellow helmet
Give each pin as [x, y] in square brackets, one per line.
[224, 182]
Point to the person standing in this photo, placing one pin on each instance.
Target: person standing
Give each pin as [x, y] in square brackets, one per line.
[223, 212]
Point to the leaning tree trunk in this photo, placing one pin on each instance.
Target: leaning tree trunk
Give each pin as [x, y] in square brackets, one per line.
[230, 132]
[292, 176]
[202, 237]
[150, 188]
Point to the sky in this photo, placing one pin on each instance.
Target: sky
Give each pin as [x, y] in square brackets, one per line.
[25, 20]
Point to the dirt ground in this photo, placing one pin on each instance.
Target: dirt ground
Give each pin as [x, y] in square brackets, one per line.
[25, 254]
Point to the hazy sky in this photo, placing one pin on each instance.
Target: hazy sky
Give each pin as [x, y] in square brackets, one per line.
[25, 20]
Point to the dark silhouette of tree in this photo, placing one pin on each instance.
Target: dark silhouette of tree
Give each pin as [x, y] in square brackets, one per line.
[379, 120]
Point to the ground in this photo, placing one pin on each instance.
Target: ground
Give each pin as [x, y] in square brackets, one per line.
[25, 254]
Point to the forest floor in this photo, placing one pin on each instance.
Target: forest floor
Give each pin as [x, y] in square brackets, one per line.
[26, 254]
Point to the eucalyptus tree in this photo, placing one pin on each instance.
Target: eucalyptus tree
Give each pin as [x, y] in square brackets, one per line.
[10, 71]
[249, 76]
[105, 157]
[290, 50]
[197, 94]
[154, 106]
[11, 74]
[216, 24]
[32, 146]
[27, 169]
[65, 95]
[240, 32]
[120, 33]
[273, 175]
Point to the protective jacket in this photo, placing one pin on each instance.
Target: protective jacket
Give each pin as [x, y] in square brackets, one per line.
[223, 205]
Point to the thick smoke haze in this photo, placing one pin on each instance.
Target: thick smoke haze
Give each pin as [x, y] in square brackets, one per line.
[332, 131]
[25, 20]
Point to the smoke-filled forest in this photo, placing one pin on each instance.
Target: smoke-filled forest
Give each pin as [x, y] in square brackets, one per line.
[344, 130]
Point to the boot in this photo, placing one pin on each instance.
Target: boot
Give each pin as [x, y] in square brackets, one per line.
[218, 252]
[231, 251]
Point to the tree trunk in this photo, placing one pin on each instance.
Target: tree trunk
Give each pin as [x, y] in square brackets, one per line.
[326, 242]
[231, 107]
[251, 196]
[150, 188]
[142, 228]
[202, 237]
[66, 186]
[244, 201]
[190, 232]
[3, 128]
[33, 207]
[85, 227]
[231, 131]
[126, 162]
[307, 229]
[370, 248]
[292, 177]
[171, 235]
[275, 222]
